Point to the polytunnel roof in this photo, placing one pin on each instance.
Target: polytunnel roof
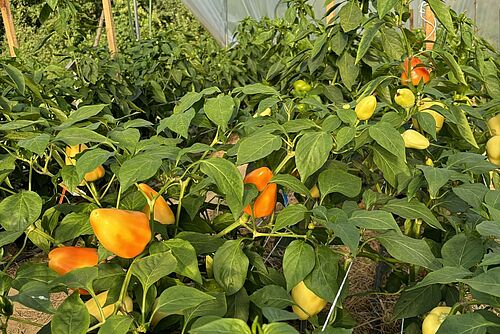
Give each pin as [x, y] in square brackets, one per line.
[221, 17]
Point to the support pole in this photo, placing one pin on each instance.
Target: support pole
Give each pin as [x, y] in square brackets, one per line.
[330, 17]
[8, 23]
[429, 27]
[110, 27]
[99, 31]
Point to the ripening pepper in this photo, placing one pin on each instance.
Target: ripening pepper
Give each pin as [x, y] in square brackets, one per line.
[162, 212]
[493, 150]
[494, 125]
[72, 151]
[434, 319]
[413, 139]
[259, 177]
[108, 310]
[417, 73]
[264, 203]
[308, 304]
[424, 106]
[123, 232]
[366, 107]
[314, 192]
[300, 86]
[405, 98]
[64, 259]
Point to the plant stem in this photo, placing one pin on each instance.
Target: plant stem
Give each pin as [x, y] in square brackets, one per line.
[277, 235]
[242, 220]
[17, 254]
[184, 185]
[99, 306]
[289, 156]
[107, 186]
[119, 197]
[8, 190]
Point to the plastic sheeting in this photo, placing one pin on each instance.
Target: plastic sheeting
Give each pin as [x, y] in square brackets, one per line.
[221, 17]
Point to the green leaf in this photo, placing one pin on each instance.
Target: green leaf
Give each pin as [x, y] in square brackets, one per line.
[336, 180]
[463, 125]
[179, 298]
[230, 266]
[323, 278]
[290, 215]
[78, 278]
[348, 69]
[36, 144]
[275, 314]
[416, 302]
[20, 210]
[257, 88]
[72, 226]
[202, 243]
[238, 305]
[462, 251]
[19, 124]
[34, 295]
[70, 177]
[279, 328]
[366, 40]
[442, 12]
[436, 178]
[391, 166]
[126, 139]
[216, 307]
[492, 198]
[152, 268]
[348, 233]
[488, 282]
[116, 324]
[344, 136]
[391, 40]
[71, 317]
[385, 6]
[412, 209]
[468, 323]
[187, 102]
[271, 296]
[256, 147]
[311, 152]
[17, 76]
[290, 182]
[488, 229]
[409, 250]
[7, 237]
[472, 193]
[52, 4]
[389, 138]
[90, 160]
[229, 181]
[351, 16]
[219, 110]
[76, 136]
[223, 326]
[185, 254]
[374, 220]
[158, 94]
[455, 68]
[139, 168]
[445, 275]
[81, 114]
[298, 262]
[178, 123]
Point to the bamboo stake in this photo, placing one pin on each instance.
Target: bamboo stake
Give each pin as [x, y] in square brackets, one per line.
[8, 23]
[429, 28]
[330, 17]
[99, 30]
[110, 27]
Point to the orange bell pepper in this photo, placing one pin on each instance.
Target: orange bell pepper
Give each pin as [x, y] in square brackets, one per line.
[266, 201]
[72, 151]
[64, 259]
[123, 232]
[162, 212]
[259, 177]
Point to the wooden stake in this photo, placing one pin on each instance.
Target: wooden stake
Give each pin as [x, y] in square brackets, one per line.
[330, 17]
[429, 28]
[8, 23]
[412, 19]
[99, 31]
[110, 27]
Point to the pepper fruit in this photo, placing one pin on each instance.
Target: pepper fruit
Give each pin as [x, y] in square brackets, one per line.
[308, 304]
[493, 150]
[417, 74]
[72, 151]
[428, 161]
[424, 106]
[405, 98]
[259, 177]
[264, 203]
[108, 310]
[494, 125]
[413, 139]
[162, 212]
[366, 107]
[315, 192]
[301, 86]
[64, 259]
[434, 319]
[123, 232]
